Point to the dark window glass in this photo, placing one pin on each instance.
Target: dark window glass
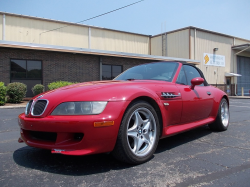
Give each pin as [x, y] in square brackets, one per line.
[182, 78]
[116, 70]
[106, 68]
[164, 71]
[106, 72]
[26, 69]
[34, 69]
[109, 72]
[18, 69]
[191, 73]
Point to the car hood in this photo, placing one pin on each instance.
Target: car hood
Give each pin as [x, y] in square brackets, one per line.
[101, 90]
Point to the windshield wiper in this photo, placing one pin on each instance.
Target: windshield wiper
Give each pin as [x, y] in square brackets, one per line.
[130, 79]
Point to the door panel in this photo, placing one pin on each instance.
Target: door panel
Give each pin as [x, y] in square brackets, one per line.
[197, 103]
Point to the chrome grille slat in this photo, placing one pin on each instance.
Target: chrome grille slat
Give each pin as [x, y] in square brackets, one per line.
[28, 107]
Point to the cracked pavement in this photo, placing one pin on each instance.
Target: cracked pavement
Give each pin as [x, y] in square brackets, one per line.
[198, 157]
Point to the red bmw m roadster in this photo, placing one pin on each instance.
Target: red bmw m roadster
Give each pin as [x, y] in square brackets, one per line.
[126, 116]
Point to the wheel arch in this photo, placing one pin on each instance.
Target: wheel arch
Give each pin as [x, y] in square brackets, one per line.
[219, 124]
[218, 96]
[225, 96]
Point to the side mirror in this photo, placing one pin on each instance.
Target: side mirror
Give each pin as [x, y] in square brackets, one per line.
[196, 81]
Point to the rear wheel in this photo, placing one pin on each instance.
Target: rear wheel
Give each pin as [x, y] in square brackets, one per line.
[138, 134]
[222, 120]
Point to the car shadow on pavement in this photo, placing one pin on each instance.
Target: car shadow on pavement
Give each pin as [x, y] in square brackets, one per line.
[43, 160]
[182, 138]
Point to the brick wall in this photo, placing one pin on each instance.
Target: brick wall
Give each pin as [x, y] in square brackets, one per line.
[67, 66]
[4, 66]
[62, 66]
[56, 65]
[70, 67]
[224, 88]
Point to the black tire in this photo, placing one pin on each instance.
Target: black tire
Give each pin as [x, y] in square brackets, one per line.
[134, 130]
[221, 122]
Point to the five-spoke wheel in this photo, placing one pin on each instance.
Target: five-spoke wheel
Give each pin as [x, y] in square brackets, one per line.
[224, 113]
[141, 131]
[138, 135]
[221, 122]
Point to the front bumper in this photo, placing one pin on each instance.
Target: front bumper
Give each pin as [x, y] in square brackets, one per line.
[73, 135]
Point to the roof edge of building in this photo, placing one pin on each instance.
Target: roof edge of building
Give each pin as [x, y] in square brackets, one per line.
[34, 46]
[241, 45]
[201, 29]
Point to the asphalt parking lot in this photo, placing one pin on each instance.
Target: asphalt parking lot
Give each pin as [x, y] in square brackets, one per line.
[196, 158]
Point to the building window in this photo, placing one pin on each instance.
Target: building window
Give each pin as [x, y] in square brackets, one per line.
[109, 72]
[28, 72]
[26, 69]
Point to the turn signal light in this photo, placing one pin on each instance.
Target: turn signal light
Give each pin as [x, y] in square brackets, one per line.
[103, 124]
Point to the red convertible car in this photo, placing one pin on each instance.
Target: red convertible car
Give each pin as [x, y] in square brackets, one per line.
[126, 116]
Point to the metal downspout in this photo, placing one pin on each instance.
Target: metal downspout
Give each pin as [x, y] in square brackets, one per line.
[100, 63]
[89, 38]
[235, 91]
[166, 44]
[194, 44]
[150, 45]
[3, 36]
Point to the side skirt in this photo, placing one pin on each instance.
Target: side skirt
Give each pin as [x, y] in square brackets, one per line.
[175, 129]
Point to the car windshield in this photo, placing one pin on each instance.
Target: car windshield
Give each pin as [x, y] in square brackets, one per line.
[153, 71]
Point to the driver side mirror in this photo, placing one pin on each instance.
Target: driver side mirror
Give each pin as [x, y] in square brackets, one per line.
[196, 81]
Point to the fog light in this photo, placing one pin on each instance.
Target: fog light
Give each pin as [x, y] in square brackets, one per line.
[78, 136]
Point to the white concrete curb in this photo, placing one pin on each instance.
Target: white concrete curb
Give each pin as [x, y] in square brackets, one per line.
[16, 106]
[239, 97]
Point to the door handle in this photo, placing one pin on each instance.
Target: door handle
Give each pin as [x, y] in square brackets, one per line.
[208, 93]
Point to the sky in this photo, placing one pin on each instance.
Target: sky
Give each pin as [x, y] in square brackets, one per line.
[150, 17]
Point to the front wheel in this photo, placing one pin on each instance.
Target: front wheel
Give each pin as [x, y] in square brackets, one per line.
[138, 134]
[221, 122]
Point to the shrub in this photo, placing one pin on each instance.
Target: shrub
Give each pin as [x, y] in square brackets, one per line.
[58, 84]
[37, 89]
[2, 93]
[16, 92]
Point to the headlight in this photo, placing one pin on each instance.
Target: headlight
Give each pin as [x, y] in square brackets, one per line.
[80, 108]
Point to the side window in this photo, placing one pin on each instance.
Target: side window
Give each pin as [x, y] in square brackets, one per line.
[191, 73]
[181, 78]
